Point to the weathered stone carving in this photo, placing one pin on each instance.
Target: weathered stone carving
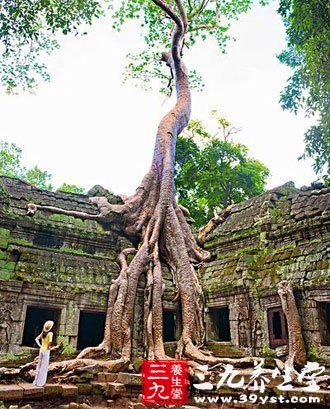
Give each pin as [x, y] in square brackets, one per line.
[257, 337]
[6, 320]
[243, 331]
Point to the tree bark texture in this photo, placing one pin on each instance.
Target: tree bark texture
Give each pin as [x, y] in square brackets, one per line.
[297, 348]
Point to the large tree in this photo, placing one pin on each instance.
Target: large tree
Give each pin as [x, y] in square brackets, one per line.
[307, 25]
[152, 213]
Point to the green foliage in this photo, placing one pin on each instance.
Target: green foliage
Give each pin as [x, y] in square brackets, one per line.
[37, 177]
[10, 165]
[205, 20]
[267, 352]
[30, 28]
[27, 31]
[10, 157]
[313, 353]
[308, 54]
[71, 189]
[213, 171]
[4, 194]
[67, 348]
[20, 66]
[10, 357]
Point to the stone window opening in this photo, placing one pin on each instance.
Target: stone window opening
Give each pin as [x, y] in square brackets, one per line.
[219, 324]
[277, 326]
[169, 326]
[91, 329]
[324, 317]
[34, 321]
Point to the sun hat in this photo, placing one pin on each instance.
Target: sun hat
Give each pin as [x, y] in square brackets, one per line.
[48, 326]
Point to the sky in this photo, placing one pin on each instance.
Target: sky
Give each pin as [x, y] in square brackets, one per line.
[87, 127]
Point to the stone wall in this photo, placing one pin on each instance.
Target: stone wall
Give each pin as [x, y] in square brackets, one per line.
[281, 234]
[51, 260]
[64, 263]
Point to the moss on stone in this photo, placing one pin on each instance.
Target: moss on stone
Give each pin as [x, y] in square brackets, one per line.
[313, 353]
[4, 238]
[267, 352]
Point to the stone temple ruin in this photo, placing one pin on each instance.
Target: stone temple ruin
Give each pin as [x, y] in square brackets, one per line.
[60, 267]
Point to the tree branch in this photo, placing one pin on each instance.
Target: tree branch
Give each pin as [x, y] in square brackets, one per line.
[213, 223]
[169, 11]
[183, 14]
[179, 30]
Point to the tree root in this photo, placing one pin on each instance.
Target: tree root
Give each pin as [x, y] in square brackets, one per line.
[93, 352]
[219, 218]
[66, 369]
[297, 348]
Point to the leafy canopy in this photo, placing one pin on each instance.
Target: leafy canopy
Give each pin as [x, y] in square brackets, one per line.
[213, 171]
[30, 28]
[10, 165]
[65, 187]
[308, 54]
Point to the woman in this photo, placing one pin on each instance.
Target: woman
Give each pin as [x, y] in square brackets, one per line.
[46, 338]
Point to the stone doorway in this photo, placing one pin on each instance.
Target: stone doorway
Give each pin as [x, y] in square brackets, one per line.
[34, 321]
[91, 329]
[169, 326]
[219, 324]
[277, 326]
[324, 314]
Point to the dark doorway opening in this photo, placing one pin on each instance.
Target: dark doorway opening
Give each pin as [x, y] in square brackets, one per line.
[91, 329]
[220, 324]
[34, 322]
[324, 310]
[277, 326]
[169, 326]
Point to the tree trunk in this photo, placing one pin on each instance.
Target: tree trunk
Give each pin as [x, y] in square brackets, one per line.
[153, 214]
[297, 349]
[165, 237]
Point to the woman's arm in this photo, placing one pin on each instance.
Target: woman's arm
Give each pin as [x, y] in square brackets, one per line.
[37, 341]
[50, 343]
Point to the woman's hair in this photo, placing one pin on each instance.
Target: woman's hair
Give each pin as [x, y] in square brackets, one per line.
[44, 334]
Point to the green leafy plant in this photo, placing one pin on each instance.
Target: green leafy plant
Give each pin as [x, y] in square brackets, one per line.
[67, 348]
[307, 25]
[10, 356]
[29, 30]
[268, 352]
[214, 171]
[313, 353]
[10, 165]
[69, 188]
